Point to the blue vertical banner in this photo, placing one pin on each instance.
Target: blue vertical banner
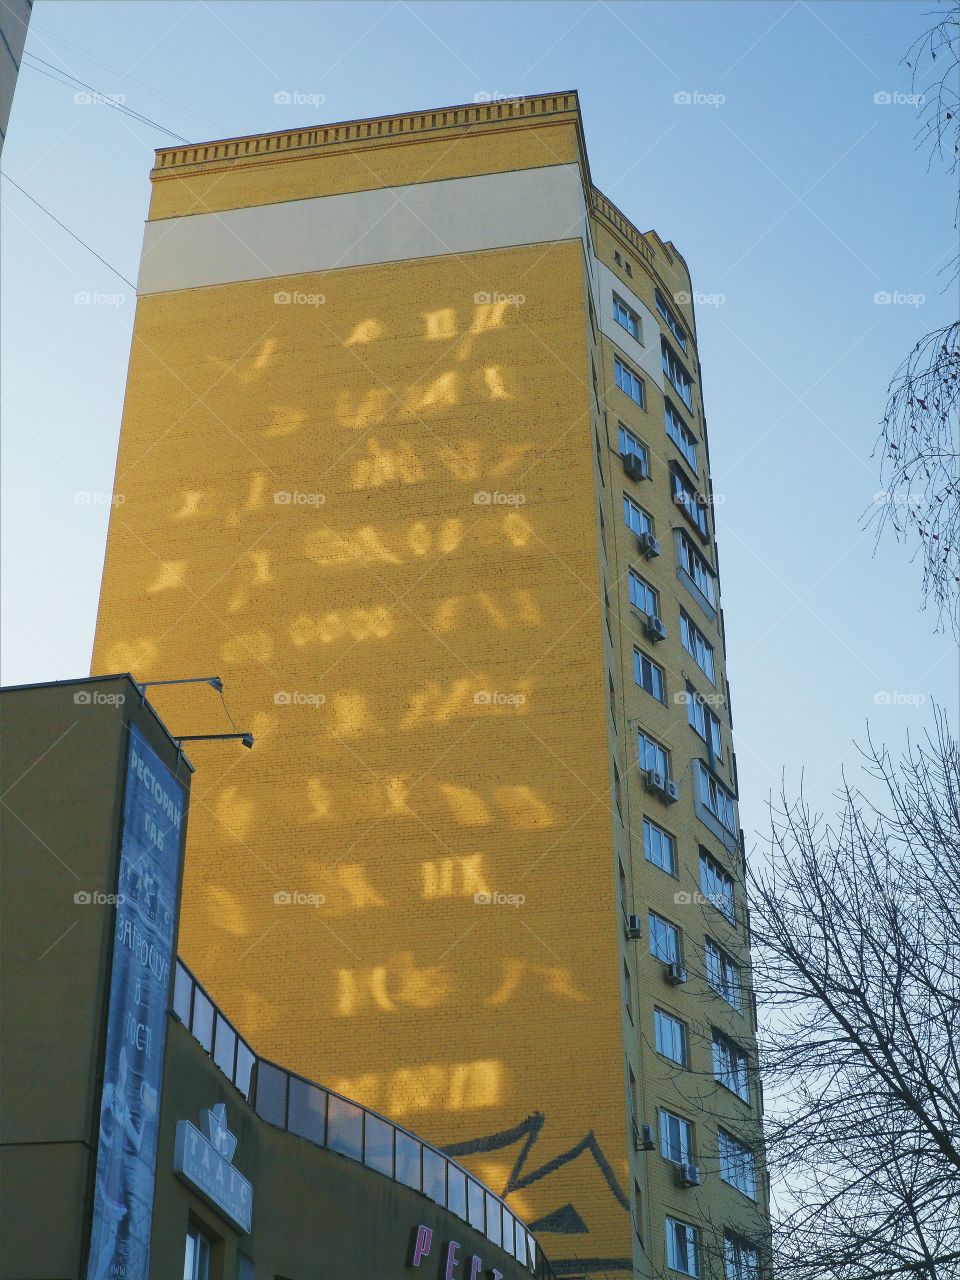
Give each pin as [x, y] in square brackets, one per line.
[143, 949]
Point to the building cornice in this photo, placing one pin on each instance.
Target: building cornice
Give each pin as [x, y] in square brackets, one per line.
[507, 113]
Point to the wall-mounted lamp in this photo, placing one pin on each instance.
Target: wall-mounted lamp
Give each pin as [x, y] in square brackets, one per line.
[245, 738]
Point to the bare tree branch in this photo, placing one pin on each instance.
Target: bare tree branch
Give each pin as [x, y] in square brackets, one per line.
[857, 958]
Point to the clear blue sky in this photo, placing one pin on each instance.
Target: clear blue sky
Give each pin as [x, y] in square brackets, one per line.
[795, 200]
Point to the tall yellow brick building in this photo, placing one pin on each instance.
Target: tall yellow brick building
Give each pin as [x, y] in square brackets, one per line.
[413, 455]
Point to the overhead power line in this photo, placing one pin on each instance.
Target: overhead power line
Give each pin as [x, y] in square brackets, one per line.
[73, 82]
[70, 233]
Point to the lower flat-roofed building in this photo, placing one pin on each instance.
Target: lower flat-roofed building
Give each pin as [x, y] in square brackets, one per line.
[143, 1137]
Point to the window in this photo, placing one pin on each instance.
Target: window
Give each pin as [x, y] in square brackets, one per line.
[681, 435]
[717, 886]
[643, 596]
[648, 675]
[652, 755]
[676, 1138]
[691, 503]
[697, 645]
[737, 1164]
[664, 939]
[196, 1258]
[626, 317]
[629, 444]
[670, 1036]
[702, 720]
[716, 799]
[723, 974]
[627, 990]
[675, 374]
[673, 324]
[637, 1210]
[636, 518]
[741, 1261]
[730, 1066]
[694, 565]
[659, 847]
[683, 1248]
[630, 383]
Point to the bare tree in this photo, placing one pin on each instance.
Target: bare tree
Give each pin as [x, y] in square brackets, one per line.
[919, 444]
[857, 957]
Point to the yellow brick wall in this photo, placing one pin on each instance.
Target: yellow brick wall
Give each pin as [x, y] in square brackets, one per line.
[692, 1094]
[396, 599]
[362, 166]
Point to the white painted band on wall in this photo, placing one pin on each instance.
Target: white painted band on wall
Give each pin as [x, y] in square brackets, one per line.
[427, 219]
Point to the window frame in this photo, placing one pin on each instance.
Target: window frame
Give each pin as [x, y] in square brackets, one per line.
[640, 451]
[693, 640]
[676, 374]
[630, 506]
[664, 838]
[691, 1248]
[712, 872]
[733, 1066]
[623, 372]
[201, 1254]
[679, 435]
[635, 329]
[739, 1160]
[685, 1145]
[657, 748]
[659, 925]
[688, 499]
[642, 664]
[727, 976]
[705, 592]
[733, 1264]
[704, 723]
[658, 1016]
[712, 806]
[649, 592]
[666, 313]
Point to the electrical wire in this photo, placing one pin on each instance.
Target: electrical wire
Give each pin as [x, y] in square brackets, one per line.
[104, 99]
[70, 233]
